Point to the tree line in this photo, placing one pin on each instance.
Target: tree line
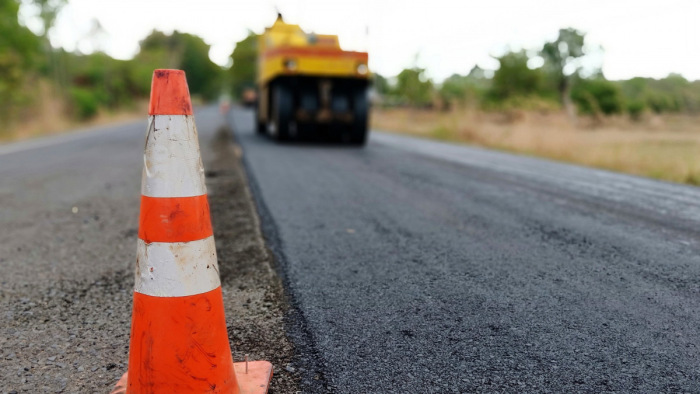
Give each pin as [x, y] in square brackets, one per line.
[566, 77]
[87, 83]
[557, 75]
[560, 80]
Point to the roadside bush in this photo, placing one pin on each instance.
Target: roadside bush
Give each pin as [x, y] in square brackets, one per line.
[660, 102]
[596, 96]
[414, 88]
[636, 108]
[514, 78]
[84, 103]
[462, 89]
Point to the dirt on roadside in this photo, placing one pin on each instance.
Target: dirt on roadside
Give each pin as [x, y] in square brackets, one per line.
[253, 293]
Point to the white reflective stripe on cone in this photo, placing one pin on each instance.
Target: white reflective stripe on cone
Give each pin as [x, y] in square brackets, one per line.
[172, 165]
[176, 269]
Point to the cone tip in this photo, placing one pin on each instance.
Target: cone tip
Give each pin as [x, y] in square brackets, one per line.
[169, 93]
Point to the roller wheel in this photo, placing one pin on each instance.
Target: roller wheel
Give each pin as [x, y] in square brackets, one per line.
[260, 126]
[281, 112]
[360, 103]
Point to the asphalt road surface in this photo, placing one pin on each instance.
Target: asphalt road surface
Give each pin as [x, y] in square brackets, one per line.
[68, 219]
[417, 266]
[409, 266]
[68, 226]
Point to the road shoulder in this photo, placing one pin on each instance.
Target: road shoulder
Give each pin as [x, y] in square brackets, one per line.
[253, 293]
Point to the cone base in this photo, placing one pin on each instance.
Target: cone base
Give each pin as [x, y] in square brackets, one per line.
[256, 381]
[120, 387]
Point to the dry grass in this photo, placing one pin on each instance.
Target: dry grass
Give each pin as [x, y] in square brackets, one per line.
[48, 116]
[663, 147]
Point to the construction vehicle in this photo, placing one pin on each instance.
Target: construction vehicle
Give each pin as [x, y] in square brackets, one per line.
[308, 85]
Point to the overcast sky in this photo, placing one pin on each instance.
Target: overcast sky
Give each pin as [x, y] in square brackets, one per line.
[640, 38]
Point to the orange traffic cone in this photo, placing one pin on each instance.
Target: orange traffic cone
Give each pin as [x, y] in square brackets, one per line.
[179, 342]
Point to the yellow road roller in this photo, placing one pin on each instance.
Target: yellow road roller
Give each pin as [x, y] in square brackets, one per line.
[309, 86]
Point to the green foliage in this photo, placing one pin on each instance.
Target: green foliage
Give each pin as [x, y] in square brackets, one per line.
[48, 11]
[563, 52]
[454, 89]
[158, 41]
[596, 96]
[19, 52]
[51, 65]
[514, 78]
[243, 69]
[88, 83]
[413, 88]
[460, 89]
[636, 108]
[203, 75]
[84, 102]
[381, 84]
[112, 82]
[663, 102]
[95, 82]
[182, 51]
[15, 37]
[671, 94]
[561, 57]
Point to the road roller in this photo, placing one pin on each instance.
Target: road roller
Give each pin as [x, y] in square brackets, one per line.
[309, 87]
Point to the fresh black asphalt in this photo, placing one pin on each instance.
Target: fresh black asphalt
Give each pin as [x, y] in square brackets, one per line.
[415, 266]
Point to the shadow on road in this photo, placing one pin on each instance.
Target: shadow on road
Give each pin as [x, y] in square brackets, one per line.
[243, 122]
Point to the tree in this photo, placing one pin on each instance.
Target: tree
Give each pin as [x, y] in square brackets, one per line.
[596, 96]
[203, 75]
[380, 84]
[413, 87]
[15, 39]
[19, 50]
[561, 61]
[453, 89]
[184, 51]
[514, 78]
[670, 94]
[243, 68]
[461, 88]
[48, 11]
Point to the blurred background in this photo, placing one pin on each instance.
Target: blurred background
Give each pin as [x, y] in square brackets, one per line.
[614, 85]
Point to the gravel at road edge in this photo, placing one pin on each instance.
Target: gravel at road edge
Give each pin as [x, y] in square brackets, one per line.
[256, 325]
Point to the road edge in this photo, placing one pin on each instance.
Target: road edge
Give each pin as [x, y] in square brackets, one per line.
[308, 359]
